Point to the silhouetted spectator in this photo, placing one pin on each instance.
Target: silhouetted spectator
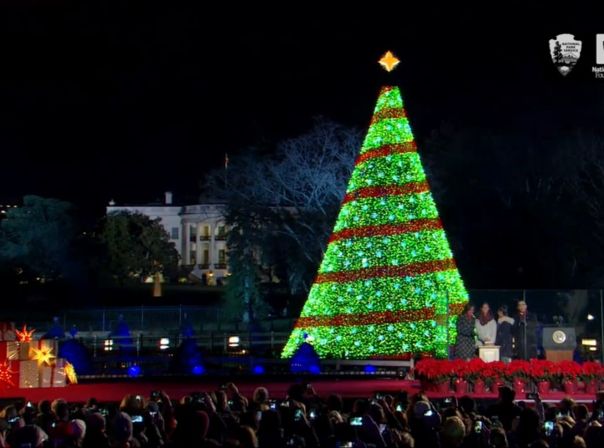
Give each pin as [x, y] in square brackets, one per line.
[96, 436]
[505, 410]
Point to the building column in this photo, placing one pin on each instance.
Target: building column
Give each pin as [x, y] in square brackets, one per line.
[198, 245]
[212, 257]
[187, 243]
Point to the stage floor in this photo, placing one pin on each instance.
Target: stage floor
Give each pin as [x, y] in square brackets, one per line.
[111, 391]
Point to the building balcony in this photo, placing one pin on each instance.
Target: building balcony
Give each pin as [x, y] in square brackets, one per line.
[221, 237]
[220, 265]
[204, 265]
[204, 237]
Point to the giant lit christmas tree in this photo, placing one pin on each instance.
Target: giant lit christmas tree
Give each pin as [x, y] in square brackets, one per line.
[388, 285]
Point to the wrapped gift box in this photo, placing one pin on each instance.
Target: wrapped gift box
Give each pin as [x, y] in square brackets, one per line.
[59, 379]
[8, 335]
[53, 376]
[9, 350]
[29, 374]
[25, 347]
[11, 378]
[7, 331]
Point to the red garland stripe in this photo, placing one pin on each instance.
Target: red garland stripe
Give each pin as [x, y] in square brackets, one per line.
[409, 270]
[416, 225]
[386, 150]
[388, 113]
[374, 318]
[457, 308]
[390, 190]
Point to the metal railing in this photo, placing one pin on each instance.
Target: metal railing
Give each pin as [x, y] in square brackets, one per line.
[220, 343]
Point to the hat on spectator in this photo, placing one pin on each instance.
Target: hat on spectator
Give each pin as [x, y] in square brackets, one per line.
[420, 408]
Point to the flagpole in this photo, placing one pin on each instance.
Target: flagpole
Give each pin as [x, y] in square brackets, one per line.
[226, 170]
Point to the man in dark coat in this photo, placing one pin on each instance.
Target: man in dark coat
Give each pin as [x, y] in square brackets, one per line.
[525, 333]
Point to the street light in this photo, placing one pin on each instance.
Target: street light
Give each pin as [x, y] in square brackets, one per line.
[590, 317]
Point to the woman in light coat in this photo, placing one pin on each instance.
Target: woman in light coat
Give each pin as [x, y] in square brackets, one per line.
[486, 326]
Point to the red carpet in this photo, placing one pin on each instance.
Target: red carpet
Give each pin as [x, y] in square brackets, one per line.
[178, 387]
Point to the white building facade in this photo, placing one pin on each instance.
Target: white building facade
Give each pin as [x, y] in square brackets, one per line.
[198, 232]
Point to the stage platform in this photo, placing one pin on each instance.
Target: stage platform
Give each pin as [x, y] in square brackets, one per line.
[177, 387]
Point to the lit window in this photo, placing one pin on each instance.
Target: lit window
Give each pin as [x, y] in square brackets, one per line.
[234, 341]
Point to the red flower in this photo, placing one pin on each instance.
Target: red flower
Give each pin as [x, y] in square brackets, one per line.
[591, 371]
[567, 370]
[541, 370]
[474, 369]
[435, 370]
[517, 369]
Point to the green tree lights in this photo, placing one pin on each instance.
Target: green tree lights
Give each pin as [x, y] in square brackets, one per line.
[388, 285]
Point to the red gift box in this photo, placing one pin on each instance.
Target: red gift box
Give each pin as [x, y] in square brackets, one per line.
[9, 374]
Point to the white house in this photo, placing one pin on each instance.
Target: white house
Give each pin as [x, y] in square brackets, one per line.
[198, 232]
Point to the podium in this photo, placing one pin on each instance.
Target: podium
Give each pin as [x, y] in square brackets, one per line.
[488, 353]
[559, 343]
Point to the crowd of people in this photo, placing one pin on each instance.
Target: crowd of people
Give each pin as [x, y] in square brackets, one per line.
[225, 418]
[516, 336]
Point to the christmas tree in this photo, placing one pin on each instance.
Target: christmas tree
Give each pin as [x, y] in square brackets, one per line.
[388, 285]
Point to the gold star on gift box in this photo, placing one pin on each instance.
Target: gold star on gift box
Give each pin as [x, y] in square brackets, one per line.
[24, 335]
[70, 373]
[43, 355]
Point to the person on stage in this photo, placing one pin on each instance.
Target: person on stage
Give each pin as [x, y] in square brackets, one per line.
[486, 326]
[465, 346]
[525, 333]
[504, 334]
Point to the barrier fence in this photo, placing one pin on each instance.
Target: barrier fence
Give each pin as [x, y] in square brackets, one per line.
[581, 309]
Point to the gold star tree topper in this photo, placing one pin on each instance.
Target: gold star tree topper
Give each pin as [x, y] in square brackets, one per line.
[389, 61]
[43, 355]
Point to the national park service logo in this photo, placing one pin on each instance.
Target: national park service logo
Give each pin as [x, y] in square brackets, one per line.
[565, 51]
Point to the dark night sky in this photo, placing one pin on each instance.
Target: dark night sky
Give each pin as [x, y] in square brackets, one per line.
[127, 101]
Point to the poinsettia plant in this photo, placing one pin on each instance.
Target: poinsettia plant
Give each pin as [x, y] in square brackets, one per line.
[493, 371]
[542, 370]
[434, 370]
[473, 369]
[566, 370]
[517, 370]
[591, 371]
[438, 371]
